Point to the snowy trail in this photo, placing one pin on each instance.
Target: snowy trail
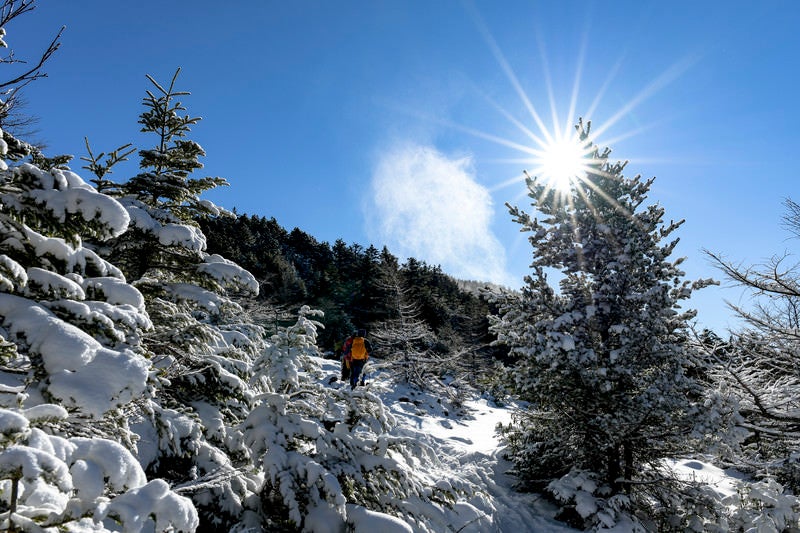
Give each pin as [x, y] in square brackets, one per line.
[469, 458]
[468, 447]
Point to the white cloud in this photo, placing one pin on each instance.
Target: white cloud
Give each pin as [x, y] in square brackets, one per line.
[430, 207]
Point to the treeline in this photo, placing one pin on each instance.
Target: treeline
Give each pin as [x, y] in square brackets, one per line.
[354, 286]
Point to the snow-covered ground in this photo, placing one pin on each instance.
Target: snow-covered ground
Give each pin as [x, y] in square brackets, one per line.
[468, 447]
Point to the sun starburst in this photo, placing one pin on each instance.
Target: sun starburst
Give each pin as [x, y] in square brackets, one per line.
[562, 161]
[555, 152]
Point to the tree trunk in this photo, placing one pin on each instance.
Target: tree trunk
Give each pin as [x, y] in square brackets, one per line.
[627, 453]
[13, 506]
[613, 469]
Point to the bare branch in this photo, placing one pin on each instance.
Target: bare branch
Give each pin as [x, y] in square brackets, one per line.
[791, 220]
[11, 9]
[35, 72]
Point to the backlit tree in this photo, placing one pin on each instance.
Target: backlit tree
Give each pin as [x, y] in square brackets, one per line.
[602, 354]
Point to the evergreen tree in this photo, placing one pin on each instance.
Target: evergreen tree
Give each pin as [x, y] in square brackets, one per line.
[165, 182]
[70, 483]
[72, 361]
[201, 341]
[47, 271]
[603, 358]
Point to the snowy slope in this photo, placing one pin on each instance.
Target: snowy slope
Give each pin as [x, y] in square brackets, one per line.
[467, 446]
[469, 450]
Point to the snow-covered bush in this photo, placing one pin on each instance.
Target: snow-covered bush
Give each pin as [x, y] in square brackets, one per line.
[762, 506]
[756, 370]
[51, 481]
[588, 502]
[279, 367]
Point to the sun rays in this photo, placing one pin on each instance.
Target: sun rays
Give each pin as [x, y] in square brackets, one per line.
[563, 161]
[559, 154]
[540, 133]
[555, 152]
[562, 156]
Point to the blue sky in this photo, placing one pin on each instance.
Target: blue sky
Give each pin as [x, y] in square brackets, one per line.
[399, 123]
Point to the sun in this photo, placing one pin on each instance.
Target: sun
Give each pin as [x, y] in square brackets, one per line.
[562, 161]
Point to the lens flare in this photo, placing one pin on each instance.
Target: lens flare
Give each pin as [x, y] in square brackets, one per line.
[561, 161]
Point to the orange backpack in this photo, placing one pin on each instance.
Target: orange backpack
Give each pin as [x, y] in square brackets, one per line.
[358, 349]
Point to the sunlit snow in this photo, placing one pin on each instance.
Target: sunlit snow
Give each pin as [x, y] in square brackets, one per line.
[467, 444]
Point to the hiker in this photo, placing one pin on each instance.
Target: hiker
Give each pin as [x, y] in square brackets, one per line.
[343, 350]
[357, 350]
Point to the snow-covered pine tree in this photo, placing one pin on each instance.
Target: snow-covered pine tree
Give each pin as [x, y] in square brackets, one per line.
[200, 342]
[70, 334]
[602, 356]
[69, 314]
